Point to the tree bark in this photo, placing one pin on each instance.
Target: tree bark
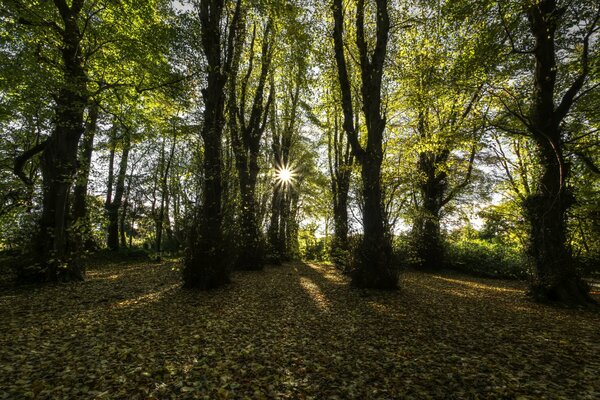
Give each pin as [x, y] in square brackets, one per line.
[55, 254]
[556, 278]
[114, 206]
[340, 170]
[80, 214]
[374, 266]
[205, 264]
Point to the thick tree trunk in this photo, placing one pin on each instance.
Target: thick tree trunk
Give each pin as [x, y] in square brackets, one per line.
[428, 238]
[556, 278]
[205, 265]
[373, 266]
[251, 252]
[433, 187]
[55, 253]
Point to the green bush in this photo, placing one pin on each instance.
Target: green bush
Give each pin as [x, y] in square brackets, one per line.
[487, 258]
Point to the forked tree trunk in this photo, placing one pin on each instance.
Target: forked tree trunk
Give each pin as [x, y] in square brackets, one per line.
[246, 135]
[374, 266]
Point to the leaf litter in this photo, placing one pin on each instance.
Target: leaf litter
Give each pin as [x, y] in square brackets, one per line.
[297, 331]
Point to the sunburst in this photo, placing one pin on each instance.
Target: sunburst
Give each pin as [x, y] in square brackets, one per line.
[285, 175]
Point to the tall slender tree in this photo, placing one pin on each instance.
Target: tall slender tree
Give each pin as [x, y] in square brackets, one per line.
[80, 212]
[340, 160]
[247, 125]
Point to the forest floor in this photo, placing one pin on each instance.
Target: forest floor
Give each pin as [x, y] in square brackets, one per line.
[296, 331]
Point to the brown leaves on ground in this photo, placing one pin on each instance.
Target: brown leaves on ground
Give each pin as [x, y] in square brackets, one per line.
[298, 332]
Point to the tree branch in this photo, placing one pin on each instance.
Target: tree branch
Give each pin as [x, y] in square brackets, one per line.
[20, 161]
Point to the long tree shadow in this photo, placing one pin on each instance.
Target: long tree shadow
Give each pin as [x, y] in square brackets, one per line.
[294, 331]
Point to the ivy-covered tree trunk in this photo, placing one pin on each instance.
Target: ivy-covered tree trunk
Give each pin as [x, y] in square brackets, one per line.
[432, 187]
[205, 265]
[428, 237]
[556, 278]
[55, 253]
[250, 253]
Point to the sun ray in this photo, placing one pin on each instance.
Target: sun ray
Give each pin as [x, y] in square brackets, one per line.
[285, 175]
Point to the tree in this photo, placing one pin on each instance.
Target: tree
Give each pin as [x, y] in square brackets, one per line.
[546, 209]
[340, 161]
[75, 44]
[247, 125]
[80, 212]
[59, 155]
[205, 266]
[444, 82]
[374, 265]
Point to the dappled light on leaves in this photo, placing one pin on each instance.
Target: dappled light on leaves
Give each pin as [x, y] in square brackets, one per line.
[145, 298]
[290, 332]
[315, 293]
[478, 286]
[327, 273]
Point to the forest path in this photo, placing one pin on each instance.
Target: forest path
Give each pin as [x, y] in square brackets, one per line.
[294, 331]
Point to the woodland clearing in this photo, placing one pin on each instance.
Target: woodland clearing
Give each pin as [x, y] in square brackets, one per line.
[293, 331]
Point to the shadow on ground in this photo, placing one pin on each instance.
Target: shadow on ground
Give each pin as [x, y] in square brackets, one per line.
[295, 331]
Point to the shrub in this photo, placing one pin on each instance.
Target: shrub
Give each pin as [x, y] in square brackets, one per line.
[487, 258]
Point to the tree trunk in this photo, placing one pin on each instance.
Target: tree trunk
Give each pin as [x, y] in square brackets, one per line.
[340, 170]
[55, 254]
[163, 213]
[115, 205]
[205, 265]
[373, 266]
[556, 278]
[246, 133]
[123, 215]
[274, 256]
[80, 216]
